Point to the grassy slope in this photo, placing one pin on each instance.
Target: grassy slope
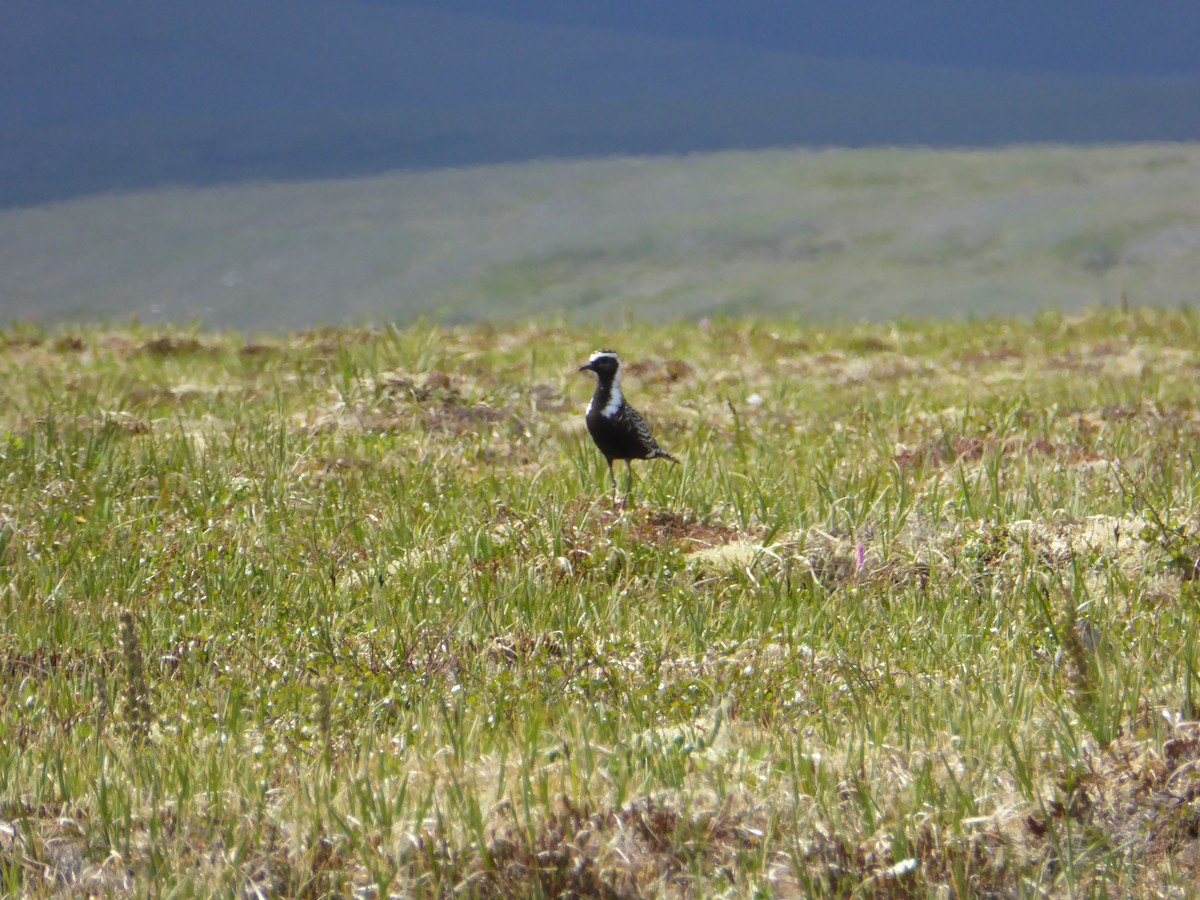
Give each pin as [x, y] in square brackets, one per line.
[835, 235]
[351, 608]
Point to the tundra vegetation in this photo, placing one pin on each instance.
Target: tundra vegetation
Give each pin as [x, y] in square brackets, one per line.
[350, 611]
[825, 236]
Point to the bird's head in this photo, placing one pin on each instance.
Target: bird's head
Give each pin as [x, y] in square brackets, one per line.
[605, 363]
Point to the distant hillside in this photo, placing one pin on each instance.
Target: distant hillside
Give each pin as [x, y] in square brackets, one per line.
[819, 235]
[1153, 37]
[131, 94]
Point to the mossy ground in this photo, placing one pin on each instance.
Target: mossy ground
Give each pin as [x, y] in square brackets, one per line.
[352, 612]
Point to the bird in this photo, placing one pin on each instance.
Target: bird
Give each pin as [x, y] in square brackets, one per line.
[615, 426]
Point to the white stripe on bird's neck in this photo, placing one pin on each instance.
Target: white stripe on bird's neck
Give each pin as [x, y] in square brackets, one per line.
[614, 398]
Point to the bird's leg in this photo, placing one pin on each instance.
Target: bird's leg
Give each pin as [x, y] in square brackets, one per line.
[612, 476]
[628, 480]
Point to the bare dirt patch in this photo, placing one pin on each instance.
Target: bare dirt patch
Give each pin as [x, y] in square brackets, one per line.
[656, 371]
[173, 345]
[646, 848]
[395, 402]
[661, 527]
[952, 450]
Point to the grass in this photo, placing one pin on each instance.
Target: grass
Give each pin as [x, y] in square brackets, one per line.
[826, 235]
[349, 611]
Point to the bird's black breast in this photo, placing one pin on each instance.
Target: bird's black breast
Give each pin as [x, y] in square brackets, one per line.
[622, 436]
